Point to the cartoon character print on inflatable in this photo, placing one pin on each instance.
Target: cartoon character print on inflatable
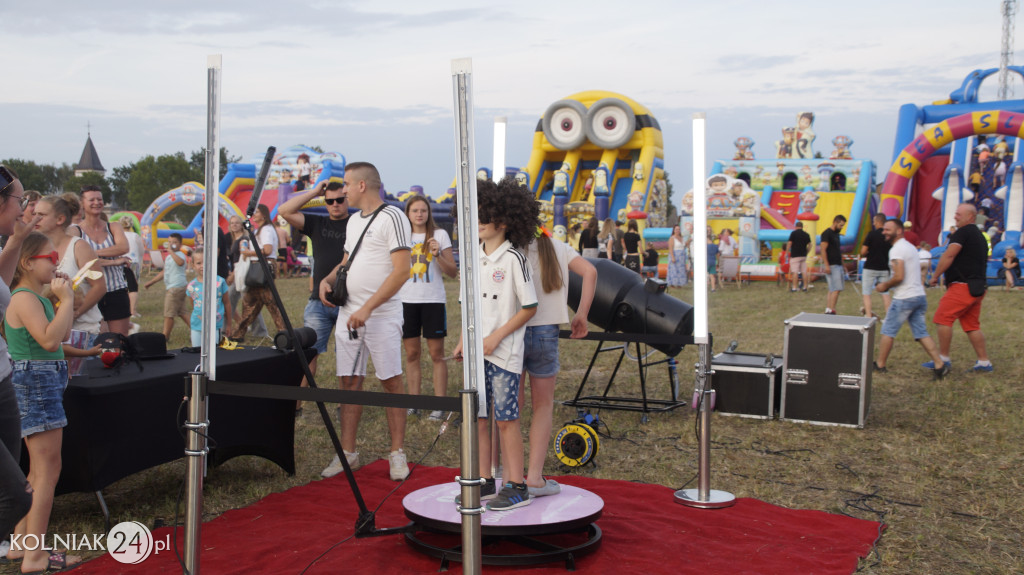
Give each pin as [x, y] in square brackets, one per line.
[804, 135]
[154, 231]
[842, 148]
[609, 131]
[744, 149]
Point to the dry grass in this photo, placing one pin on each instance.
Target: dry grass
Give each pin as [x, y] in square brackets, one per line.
[938, 463]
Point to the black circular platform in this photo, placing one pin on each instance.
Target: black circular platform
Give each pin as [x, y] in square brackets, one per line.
[573, 511]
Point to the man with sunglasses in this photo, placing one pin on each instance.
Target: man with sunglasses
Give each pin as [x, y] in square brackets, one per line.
[327, 233]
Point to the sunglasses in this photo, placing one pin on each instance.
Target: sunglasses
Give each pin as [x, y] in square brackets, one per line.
[332, 201]
[53, 256]
[6, 179]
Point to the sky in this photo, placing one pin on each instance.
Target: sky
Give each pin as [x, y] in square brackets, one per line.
[373, 81]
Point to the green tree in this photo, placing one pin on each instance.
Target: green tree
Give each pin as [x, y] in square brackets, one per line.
[153, 175]
[119, 185]
[44, 178]
[671, 214]
[198, 162]
[75, 184]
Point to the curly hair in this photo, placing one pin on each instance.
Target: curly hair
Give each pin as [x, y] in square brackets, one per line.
[509, 204]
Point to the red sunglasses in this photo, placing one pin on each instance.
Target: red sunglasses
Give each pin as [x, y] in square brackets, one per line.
[53, 256]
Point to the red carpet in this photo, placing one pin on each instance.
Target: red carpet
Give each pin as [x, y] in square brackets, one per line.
[644, 532]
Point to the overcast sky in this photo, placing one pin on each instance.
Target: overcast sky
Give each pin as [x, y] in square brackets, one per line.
[372, 81]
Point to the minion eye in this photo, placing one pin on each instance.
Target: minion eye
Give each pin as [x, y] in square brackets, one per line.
[564, 124]
[610, 123]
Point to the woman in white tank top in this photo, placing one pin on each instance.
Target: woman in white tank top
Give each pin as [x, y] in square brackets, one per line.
[56, 213]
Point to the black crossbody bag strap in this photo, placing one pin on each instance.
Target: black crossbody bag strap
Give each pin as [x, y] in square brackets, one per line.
[348, 264]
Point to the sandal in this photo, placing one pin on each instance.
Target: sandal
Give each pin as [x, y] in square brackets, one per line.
[58, 562]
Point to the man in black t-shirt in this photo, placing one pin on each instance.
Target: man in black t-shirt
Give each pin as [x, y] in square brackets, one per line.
[833, 262]
[327, 233]
[875, 250]
[964, 261]
[798, 245]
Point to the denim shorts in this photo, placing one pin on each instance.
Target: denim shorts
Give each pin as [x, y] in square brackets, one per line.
[910, 310]
[40, 386]
[322, 319]
[502, 393]
[540, 355]
[871, 278]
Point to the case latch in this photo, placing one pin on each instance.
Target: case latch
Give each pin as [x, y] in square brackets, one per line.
[849, 381]
[796, 376]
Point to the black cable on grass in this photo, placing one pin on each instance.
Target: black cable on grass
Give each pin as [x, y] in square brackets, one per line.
[369, 518]
[862, 504]
[846, 467]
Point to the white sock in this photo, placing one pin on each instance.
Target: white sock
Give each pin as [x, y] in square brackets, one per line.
[984, 363]
[945, 358]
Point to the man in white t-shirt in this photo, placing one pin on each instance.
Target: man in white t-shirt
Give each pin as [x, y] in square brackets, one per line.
[909, 303]
[370, 323]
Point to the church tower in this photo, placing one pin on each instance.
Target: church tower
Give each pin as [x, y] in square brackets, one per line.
[90, 161]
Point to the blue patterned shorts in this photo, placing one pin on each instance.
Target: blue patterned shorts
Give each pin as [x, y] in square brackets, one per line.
[502, 392]
[40, 386]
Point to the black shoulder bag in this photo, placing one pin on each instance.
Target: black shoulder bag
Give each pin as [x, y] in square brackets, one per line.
[339, 293]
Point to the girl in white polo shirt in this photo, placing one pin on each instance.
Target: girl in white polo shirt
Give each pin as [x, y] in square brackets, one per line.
[508, 218]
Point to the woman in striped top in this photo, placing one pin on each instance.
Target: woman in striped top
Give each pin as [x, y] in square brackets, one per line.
[111, 246]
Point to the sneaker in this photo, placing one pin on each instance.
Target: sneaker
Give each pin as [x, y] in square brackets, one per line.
[942, 372]
[412, 412]
[978, 368]
[436, 415]
[551, 487]
[399, 467]
[488, 491]
[830, 312]
[878, 368]
[512, 495]
[931, 364]
[335, 466]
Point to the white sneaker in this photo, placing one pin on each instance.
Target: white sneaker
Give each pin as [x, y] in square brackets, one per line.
[399, 466]
[436, 415]
[335, 466]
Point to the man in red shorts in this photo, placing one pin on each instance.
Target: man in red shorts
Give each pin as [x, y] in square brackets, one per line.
[964, 260]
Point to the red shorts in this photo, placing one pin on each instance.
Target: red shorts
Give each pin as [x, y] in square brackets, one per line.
[958, 304]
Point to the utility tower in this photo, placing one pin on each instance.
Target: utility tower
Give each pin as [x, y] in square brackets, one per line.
[1009, 10]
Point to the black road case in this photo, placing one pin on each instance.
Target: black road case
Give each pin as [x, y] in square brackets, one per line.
[827, 369]
[747, 384]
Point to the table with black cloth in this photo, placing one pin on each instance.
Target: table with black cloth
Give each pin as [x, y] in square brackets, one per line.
[122, 421]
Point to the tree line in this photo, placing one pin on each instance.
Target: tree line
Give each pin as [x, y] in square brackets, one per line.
[131, 187]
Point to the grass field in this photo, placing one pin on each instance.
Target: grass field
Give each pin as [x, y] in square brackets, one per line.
[939, 463]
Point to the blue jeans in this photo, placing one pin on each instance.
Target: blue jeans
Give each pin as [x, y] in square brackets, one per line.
[40, 386]
[910, 310]
[322, 319]
[14, 500]
[540, 355]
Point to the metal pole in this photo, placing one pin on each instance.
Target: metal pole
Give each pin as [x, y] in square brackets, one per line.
[469, 287]
[198, 422]
[195, 453]
[208, 357]
[704, 396]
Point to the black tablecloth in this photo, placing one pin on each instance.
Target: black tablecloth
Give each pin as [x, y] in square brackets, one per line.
[123, 421]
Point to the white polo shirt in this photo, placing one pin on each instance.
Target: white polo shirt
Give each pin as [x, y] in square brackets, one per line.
[505, 288]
